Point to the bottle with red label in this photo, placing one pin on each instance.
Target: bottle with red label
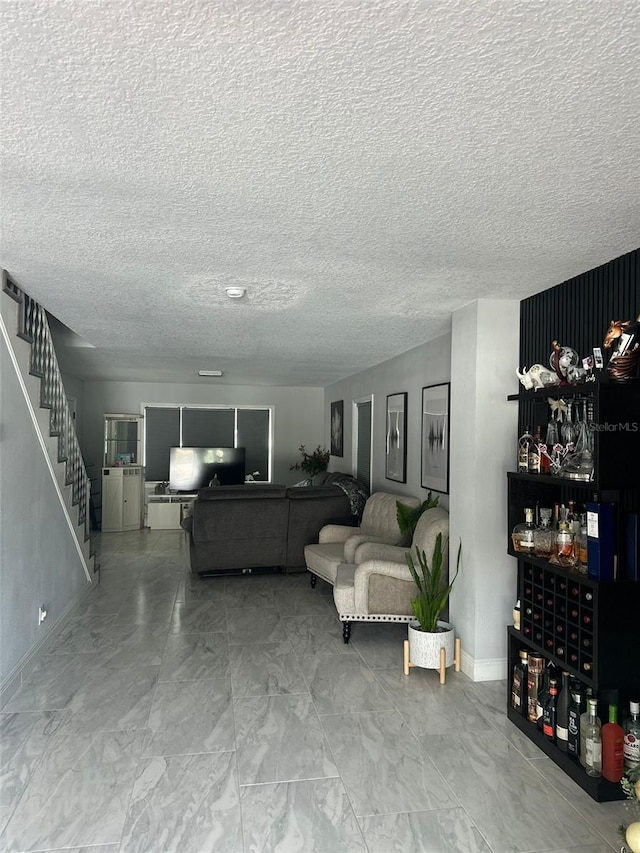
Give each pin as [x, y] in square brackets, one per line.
[612, 736]
[550, 708]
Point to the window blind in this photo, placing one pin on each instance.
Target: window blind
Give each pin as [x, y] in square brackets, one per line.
[162, 431]
[253, 434]
[363, 454]
[208, 427]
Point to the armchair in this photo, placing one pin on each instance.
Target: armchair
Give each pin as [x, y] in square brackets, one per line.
[378, 586]
[338, 543]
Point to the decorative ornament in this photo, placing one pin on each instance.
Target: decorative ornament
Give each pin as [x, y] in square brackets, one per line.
[623, 364]
[537, 377]
[561, 359]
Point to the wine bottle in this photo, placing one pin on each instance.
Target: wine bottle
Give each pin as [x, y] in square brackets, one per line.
[612, 736]
[562, 714]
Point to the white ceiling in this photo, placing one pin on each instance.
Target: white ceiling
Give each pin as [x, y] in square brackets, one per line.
[363, 168]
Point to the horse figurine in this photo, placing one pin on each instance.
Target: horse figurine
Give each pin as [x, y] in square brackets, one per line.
[616, 329]
[623, 364]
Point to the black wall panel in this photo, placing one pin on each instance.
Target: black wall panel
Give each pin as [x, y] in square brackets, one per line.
[577, 312]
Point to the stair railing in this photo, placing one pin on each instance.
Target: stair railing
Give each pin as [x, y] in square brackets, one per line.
[33, 327]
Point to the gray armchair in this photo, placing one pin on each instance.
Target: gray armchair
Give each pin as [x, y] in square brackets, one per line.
[378, 586]
[338, 544]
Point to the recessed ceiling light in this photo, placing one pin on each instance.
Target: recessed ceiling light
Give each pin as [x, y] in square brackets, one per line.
[209, 373]
[235, 292]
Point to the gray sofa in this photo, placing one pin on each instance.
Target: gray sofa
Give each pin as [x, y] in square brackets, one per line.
[233, 529]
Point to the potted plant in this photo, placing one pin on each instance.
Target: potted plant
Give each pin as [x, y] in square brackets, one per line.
[408, 516]
[312, 463]
[431, 643]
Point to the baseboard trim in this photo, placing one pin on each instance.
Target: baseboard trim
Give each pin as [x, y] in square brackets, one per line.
[25, 667]
[491, 669]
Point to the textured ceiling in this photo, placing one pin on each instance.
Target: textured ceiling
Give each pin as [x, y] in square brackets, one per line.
[362, 168]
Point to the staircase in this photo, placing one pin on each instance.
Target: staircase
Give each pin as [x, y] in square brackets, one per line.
[24, 323]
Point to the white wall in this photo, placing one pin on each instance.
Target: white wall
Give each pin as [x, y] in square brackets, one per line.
[427, 364]
[484, 358]
[298, 414]
[39, 561]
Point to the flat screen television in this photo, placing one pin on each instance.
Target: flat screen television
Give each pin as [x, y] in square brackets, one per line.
[193, 468]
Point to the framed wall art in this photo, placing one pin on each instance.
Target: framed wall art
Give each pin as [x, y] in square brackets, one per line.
[435, 437]
[396, 449]
[337, 420]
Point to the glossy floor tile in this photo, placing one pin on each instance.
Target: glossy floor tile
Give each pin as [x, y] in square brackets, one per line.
[226, 715]
[184, 804]
[440, 831]
[265, 670]
[79, 795]
[192, 656]
[311, 816]
[504, 794]
[383, 765]
[279, 738]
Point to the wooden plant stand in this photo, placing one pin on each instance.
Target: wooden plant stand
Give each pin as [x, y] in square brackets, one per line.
[442, 669]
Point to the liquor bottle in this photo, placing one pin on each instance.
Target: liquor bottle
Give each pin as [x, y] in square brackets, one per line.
[564, 550]
[575, 710]
[584, 717]
[543, 538]
[556, 517]
[550, 711]
[543, 694]
[593, 742]
[562, 714]
[535, 670]
[522, 536]
[524, 662]
[552, 442]
[524, 443]
[612, 747]
[574, 519]
[516, 615]
[534, 452]
[544, 453]
[632, 738]
[517, 683]
[583, 553]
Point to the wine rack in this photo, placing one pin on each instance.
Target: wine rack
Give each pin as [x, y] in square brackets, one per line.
[558, 615]
[587, 628]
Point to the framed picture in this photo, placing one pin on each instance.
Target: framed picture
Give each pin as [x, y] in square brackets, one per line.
[435, 437]
[337, 412]
[396, 452]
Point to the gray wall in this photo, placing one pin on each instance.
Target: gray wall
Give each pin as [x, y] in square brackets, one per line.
[427, 364]
[297, 414]
[483, 441]
[39, 562]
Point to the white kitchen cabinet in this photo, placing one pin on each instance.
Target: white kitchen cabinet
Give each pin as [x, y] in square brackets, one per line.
[121, 498]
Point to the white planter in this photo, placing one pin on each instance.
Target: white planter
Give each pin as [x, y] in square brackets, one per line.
[424, 647]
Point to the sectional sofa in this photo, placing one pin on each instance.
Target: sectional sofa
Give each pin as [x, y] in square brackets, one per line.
[236, 529]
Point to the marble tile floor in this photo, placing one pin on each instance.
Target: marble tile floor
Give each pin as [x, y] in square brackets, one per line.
[226, 715]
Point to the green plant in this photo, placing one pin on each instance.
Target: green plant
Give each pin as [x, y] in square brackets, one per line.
[433, 589]
[312, 463]
[408, 516]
